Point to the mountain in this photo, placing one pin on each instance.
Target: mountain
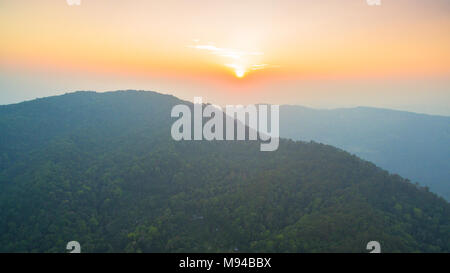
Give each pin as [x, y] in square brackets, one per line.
[103, 170]
[415, 146]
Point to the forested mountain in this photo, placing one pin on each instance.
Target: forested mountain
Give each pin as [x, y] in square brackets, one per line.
[415, 146]
[103, 170]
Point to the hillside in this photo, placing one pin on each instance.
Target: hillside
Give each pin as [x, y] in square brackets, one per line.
[102, 169]
[415, 146]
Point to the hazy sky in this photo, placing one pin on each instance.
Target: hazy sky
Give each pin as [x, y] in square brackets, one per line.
[321, 53]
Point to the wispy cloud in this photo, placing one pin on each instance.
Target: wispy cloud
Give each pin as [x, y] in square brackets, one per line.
[226, 52]
[240, 58]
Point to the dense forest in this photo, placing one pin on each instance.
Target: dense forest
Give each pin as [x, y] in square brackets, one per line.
[416, 146]
[103, 170]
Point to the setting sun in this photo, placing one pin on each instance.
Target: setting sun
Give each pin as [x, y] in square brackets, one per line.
[240, 73]
[283, 51]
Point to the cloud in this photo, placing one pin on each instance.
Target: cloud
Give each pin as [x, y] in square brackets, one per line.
[226, 52]
[263, 66]
[240, 58]
[73, 2]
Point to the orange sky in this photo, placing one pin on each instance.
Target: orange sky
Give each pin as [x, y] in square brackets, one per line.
[323, 53]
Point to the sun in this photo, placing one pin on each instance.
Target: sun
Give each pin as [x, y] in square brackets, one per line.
[239, 69]
[239, 73]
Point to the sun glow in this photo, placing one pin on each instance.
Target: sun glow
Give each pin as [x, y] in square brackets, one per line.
[241, 62]
[239, 73]
[239, 70]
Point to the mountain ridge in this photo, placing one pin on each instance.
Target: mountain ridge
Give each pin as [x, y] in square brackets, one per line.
[111, 178]
[413, 145]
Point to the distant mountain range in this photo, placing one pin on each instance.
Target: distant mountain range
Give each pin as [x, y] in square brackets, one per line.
[103, 170]
[415, 146]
